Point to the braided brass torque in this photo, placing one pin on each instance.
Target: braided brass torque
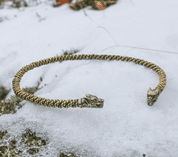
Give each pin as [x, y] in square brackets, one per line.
[90, 100]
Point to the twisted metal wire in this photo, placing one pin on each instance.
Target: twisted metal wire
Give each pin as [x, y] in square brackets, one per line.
[151, 96]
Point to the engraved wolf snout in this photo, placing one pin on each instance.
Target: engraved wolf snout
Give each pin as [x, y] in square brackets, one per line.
[152, 96]
[91, 101]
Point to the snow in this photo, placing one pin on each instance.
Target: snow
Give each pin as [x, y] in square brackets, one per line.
[126, 125]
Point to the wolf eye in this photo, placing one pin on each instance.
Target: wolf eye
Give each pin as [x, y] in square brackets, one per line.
[98, 104]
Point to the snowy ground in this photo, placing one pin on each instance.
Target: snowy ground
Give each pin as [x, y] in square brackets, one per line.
[126, 126]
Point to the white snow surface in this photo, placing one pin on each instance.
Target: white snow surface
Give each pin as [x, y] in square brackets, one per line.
[126, 126]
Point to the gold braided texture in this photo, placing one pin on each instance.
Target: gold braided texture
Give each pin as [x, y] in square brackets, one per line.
[89, 101]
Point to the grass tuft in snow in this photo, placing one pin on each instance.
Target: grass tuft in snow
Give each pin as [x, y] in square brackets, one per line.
[70, 52]
[7, 149]
[2, 133]
[29, 139]
[3, 92]
[32, 140]
[29, 144]
[63, 155]
[30, 90]
[11, 105]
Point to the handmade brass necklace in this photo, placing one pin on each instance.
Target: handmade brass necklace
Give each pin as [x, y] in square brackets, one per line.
[89, 101]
